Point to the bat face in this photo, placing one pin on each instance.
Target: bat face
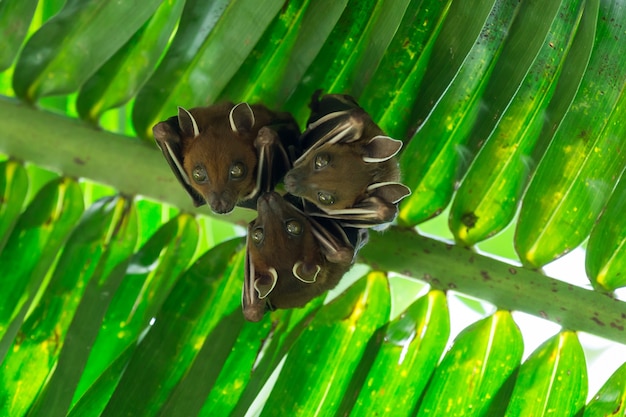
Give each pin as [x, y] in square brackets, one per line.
[289, 259]
[221, 165]
[336, 177]
[215, 152]
[349, 170]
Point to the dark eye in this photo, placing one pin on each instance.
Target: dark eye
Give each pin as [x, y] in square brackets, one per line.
[325, 198]
[321, 160]
[237, 171]
[294, 227]
[257, 235]
[199, 174]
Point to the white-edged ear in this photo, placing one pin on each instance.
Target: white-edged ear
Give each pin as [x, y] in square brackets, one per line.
[187, 123]
[299, 271]
[265, 288]
[392, 192]
[381, 148]
[241, 118]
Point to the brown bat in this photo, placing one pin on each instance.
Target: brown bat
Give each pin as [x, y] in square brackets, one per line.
[225, 154]
[292, 258]
[348, 169]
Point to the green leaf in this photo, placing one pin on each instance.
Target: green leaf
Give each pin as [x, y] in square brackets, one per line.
[552, 381]
[151, 216]
[119, 79]
[569, 80]
[72, 45]
[339, 333]
[15, 18]
[287, 325]
[31, 249]
[391, 99]
[342, 60]
[487, 199]
[96, 398]
[285, 51]
[570, 187]
[611, 398]
[411, 348]
[208, 290]
[150, 276]
[606, 250]
[118, 243]
[201, 58]
[475, 368]
[13, 186]
[235, 370]
[37, 348]
[430, 161]
[189, 394]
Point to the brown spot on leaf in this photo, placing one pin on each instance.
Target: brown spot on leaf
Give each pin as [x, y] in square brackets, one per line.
[469, 219]
[598, 321]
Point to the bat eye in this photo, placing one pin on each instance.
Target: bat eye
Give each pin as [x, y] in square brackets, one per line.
[237, 171]
[294, 227]
[321, 160]
[199, 174]
[326, 199]
[257, 235]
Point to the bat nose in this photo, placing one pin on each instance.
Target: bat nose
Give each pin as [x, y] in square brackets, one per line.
[270, 202]
[291, 182]
[221, 204]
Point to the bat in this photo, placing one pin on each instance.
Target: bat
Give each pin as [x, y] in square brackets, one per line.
[292, 258]
[226, 155]
[348, 169]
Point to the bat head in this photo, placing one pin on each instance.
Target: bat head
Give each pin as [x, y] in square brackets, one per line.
[337, 176]
[349, 166]
[211, 151]
[287, 262]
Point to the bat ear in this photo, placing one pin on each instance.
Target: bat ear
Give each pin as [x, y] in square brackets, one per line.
[392, 192]
[168, 139]
[264, 282]
[381, 148]
[187, 123]
[306, 272]
[377, 209]
[241, 118]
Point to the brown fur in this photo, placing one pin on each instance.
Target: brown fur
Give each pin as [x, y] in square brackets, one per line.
[346, 177]
[281, 250]
[216, 148]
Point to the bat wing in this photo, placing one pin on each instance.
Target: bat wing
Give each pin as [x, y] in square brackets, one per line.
[274, 161]
[334, 119]
[258, 283]
[169, 140]
[379, 207]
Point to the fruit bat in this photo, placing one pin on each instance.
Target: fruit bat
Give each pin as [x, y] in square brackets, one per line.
[348, 168]
[292, 258]
[226, 154]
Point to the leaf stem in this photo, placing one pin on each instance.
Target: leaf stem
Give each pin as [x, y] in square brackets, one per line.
[451, 267]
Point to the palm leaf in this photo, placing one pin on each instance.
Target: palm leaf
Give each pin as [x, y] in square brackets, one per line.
[118, 297]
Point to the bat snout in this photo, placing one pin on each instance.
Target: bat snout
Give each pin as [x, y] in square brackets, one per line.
[221, 203]
[270, 202]
[293, 182]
